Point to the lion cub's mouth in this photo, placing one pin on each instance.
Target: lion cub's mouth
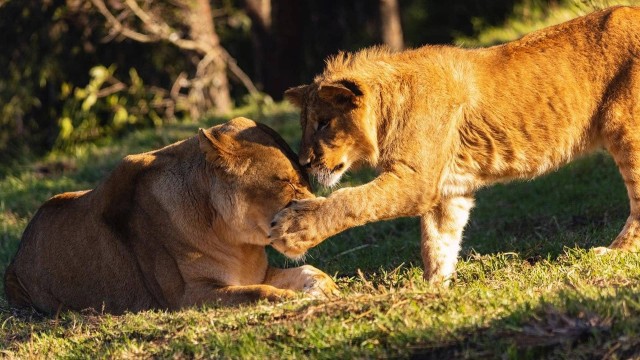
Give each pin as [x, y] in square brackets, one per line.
[329, 177]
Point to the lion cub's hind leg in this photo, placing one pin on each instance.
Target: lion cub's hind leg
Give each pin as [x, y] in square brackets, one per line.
[628, 160]
[621, 131]
[307, 279]
[441, 236]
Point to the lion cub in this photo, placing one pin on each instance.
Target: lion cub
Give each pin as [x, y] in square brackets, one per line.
[180, 226]
[440, 122]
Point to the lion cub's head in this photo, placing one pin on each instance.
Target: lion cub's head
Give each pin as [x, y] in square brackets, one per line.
[256, 175]
[336, 131]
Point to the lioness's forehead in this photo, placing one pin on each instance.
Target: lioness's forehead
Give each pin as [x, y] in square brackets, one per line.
[284, 147]
[241, 123]
[249, 132]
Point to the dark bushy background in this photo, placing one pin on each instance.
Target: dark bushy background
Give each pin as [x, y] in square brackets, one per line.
[49, 48]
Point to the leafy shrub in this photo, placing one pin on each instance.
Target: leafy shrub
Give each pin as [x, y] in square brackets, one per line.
[106, 106]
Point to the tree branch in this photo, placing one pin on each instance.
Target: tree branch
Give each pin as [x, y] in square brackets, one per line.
[161, 31]
[117, 26]
[240, 75]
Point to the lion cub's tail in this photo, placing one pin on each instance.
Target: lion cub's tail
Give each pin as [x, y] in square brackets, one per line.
[16, 294]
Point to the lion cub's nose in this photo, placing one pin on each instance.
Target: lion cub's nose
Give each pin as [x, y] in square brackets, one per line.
[306, 162]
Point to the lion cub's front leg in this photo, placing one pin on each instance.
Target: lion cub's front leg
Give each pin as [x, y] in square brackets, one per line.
[441, 232]
[308, 222]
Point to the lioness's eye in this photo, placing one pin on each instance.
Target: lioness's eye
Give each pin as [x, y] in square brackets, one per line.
[288, 183]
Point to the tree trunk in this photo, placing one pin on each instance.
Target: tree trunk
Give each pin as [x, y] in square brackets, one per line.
[211, 85]
[390, 25]
[288, 30]
[259, 11]
[277, 27]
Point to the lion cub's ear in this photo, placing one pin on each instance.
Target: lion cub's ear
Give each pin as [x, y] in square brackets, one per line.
[296, 94]
[223, 151]
[344, 94]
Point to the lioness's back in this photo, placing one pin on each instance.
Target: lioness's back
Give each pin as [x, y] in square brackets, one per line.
[62, 250]
[17, 293]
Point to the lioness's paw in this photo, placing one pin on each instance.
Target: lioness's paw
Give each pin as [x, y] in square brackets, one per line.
[294, 230]
[319, 285]
[280, 295]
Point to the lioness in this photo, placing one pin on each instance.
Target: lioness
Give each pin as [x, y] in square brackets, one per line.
[440, 122]
[176, 227]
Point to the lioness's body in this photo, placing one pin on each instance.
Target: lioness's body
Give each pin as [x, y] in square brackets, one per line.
[440, 122]
[180, 226]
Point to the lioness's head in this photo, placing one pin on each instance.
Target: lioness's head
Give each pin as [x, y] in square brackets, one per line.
[337, 132]
[255, 175]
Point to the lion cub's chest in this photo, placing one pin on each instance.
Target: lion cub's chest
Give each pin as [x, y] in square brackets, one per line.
[456, 183]
[464, 178]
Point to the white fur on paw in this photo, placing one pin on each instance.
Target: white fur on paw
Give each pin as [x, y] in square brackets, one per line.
[322, 290]
[318, 285]
[601, 250]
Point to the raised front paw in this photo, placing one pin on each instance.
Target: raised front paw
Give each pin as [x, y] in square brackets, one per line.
[296, 229]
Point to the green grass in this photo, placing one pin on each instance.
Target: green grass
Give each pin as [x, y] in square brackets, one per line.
[526, 287]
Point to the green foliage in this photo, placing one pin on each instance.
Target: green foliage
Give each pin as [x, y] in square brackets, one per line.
[51, 49]
[529, 16]
[52, 95]
[105, 107]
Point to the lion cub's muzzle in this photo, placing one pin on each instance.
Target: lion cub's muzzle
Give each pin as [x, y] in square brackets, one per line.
[328, 176]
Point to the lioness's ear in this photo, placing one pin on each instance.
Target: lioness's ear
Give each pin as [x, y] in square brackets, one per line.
[341, 94]
[296, 94]
[223, 151]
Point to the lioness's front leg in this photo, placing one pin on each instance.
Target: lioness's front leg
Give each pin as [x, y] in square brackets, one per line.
[441, 236]
[307, 222]
[234, 295]
[308, 279]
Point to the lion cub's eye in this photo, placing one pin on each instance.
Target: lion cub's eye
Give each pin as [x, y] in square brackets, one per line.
[322, 123]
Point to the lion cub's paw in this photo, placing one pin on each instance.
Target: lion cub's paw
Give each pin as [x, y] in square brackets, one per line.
[601, 250]
[295, 229]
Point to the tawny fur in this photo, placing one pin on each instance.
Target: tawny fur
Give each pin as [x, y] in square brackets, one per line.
[439, 122]
[181, 226]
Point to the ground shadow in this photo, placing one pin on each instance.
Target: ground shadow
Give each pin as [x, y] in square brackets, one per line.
[581, 328]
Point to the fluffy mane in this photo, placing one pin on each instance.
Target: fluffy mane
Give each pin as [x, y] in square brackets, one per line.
[348, 62]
